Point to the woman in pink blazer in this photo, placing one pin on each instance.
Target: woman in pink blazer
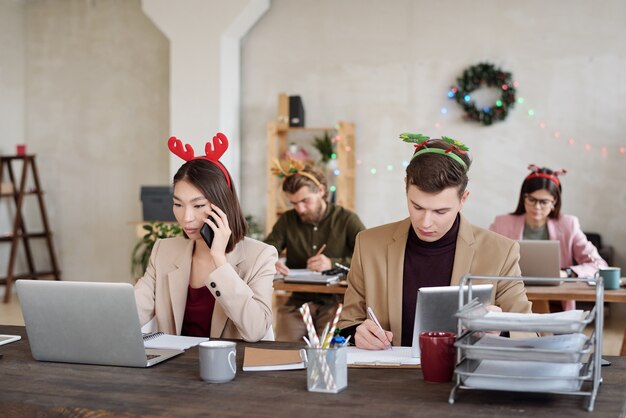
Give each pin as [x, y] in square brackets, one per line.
[538, 216]
[218, 290]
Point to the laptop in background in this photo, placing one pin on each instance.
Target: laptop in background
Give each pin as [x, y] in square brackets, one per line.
[85, 322]
[437, 305]
[540, 259]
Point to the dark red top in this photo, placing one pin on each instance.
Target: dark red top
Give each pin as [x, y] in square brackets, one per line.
[198, 312]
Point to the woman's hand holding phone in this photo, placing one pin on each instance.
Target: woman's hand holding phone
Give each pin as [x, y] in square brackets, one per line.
[217, 239]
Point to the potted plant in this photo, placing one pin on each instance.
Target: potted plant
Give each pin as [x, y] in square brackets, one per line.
[325, 147]
[143, 249]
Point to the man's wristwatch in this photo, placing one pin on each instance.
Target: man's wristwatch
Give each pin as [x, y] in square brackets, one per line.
[570, 272]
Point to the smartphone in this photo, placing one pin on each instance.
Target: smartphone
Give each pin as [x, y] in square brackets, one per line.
[207, 233]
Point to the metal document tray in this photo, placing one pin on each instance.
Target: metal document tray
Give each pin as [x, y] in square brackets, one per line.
[475, 351]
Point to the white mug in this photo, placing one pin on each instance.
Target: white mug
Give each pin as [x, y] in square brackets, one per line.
[218, 361]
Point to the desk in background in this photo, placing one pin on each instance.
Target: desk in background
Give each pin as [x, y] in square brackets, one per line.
[173, 388]
[335, 288]
[580, 292]
[538, 295]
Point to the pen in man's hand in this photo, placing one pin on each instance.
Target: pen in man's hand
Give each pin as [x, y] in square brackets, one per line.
[321, 250]
[370, 312]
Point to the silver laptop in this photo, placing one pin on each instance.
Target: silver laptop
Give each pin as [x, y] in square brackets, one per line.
[540, 259]
[85, 322]
[437, 305]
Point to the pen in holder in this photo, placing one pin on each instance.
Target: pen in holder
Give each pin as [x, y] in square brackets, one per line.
[327, 369]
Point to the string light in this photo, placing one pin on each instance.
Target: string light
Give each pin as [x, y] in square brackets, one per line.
[604, 150]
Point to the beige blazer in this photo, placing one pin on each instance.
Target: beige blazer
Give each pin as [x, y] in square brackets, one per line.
[243, 309]
[376, 272]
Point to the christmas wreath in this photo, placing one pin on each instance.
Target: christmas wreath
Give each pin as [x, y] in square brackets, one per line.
[489, 75]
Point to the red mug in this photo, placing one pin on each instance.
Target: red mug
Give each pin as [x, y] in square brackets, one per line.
[438, 355]
[20, 149]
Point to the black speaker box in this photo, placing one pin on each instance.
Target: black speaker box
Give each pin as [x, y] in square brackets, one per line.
[296, 111]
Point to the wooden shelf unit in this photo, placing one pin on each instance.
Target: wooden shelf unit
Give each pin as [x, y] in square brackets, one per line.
[279, 136]
[18, 192]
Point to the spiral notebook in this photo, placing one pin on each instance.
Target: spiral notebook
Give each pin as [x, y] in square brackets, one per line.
[165, 341]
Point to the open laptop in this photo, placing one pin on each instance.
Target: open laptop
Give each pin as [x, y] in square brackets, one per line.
[85, 322]
[540, 259]
[437, 305]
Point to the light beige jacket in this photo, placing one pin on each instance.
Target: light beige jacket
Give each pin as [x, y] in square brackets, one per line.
[376, 272]
[243, 309]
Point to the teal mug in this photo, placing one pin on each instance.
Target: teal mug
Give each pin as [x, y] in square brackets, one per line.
[611, 276]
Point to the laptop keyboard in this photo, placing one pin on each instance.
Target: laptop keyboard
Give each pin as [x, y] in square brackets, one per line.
[151, 356]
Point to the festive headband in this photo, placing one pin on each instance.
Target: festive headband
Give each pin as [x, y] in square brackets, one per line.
[421, 142]
[295, 167]
[213, 151]
[536, 173]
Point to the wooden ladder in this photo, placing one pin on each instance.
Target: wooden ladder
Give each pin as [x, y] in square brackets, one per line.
[20, 232]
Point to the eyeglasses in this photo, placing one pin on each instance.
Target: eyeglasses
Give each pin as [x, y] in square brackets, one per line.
[543, 203]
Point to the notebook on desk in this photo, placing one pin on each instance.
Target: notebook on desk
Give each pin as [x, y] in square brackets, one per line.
[85, 322]
[540, 259]
[310, 276]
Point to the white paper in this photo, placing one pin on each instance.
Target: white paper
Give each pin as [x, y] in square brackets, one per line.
[566, 342]
[394, 356]
[6, 339]
[525, 376]
[172, 342]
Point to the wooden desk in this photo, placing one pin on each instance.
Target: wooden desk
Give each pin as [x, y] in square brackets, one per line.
[566, 291]
[335, 289]
[573, 291]
[173, 388]
[581, 292]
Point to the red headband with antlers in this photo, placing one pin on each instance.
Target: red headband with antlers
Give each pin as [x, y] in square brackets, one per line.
[213, 151]
[536, 172]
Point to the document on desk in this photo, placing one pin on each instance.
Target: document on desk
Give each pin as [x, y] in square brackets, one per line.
[164, 341]
[392, 357]
[6, 339]
[310, 276]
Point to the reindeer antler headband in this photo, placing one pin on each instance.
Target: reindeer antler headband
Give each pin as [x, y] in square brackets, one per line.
[295, 167]
[421, 142]
[536, 173]
[213, 151]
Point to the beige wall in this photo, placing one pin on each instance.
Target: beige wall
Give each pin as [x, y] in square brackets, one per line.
[387, 66]
[96, 78]
[94, 75]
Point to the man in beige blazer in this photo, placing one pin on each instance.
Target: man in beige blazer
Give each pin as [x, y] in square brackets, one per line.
[435, 246]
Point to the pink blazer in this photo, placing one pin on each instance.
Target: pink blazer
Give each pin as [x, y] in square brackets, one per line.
[574, 244]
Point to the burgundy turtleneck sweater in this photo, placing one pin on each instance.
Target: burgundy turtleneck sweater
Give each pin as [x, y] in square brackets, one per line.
[426, 264]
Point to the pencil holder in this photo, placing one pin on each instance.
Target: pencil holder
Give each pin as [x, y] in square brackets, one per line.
[327, 369]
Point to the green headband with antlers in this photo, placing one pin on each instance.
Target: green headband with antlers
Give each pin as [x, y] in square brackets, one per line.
[421, 142]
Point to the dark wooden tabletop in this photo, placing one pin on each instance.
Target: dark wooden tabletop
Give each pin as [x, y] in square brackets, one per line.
[173, 388]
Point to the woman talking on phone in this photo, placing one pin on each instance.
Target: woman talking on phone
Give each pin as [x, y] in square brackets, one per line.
[216, 284]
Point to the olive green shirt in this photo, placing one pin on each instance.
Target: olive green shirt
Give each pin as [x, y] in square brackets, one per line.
[337, 229]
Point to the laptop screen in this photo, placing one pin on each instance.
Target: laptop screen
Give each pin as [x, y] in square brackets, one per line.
[437, 305]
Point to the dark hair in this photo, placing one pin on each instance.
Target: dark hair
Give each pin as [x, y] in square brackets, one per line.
[210, 180]
[432, 173]
[297, 181]
[538, 183]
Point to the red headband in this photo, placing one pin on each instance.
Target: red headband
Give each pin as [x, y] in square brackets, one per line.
[537, 174]
[213, 151]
